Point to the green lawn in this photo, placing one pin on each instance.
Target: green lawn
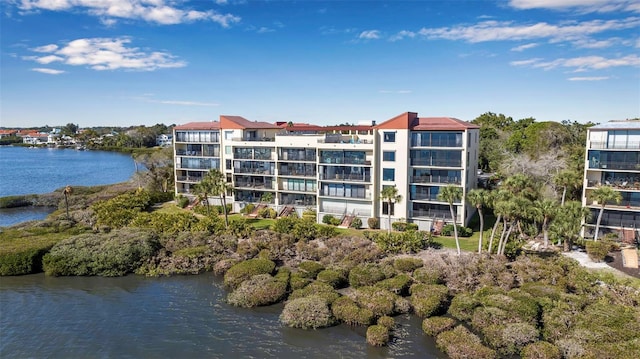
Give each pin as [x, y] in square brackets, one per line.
[469, 244]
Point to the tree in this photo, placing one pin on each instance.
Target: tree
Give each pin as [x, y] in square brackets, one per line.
[69, 129]
[567, 179]
[67, 192]
[450, 194]
[203, 189]
[478, 198]
[159, 175]
[220, 187]
[566, 225]
[546, 210]
[390, 195]
[266, 197]
[602, 195]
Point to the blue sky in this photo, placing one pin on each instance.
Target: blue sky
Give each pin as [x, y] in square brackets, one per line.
[142, 62]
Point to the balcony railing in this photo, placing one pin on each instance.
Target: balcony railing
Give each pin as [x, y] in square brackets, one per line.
[435, 179]
[346, 177]
[290, 157]
[298, 173]
[342, 195]
[253, 185]
[434, 163]
[430, 213]
[254, 171]
[613, 165]
[603, 145]
[345, 161]
[189, 178]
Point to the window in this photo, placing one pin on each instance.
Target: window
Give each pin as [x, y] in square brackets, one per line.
[388, 174]
[228, 135]
[385, 208]
[388, 155]
[389, 137]
[228, 164]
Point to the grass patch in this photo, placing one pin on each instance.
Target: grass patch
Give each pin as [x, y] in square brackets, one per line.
[469, 244]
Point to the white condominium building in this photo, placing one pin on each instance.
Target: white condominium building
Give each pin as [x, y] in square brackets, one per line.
[613, 159]
[336, 170]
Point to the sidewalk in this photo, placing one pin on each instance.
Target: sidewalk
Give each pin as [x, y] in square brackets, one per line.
[585, 261]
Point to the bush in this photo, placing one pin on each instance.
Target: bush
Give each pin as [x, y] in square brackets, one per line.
[324, 231]
[333, 277]
[114, 254]
[304, 230]
[447, 230]
[240, 227]
[21, 262]
[398, 284]
[162, 222]
[365, 274]
[598, 250]
[407, 264]
[284, 224]
[182, 201]
[248, 209]
[373, 223]
[261, 289]
[404, 226]
[348, 312]
[428, 299]
[356, 223]
[540, 350]
[460, 343]
[307, 313]
[331, 220]
[402, 242]
[317, 289]
[379, 301]
[263, 212]
[462, 306]
[512, 337]
[119, 211]
[378, 335]
[436, 325]
[298, 281]
[428, 275]
[387, 321]
[247, 269]
[310, 269]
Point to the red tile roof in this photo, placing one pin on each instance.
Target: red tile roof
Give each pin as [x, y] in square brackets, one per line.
[199, 126]
[238, 122]
[410, 120]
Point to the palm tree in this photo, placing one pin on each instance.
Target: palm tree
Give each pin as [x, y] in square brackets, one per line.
[567, 179]
[67, 192]
[546, 209]
[566, 225]
[390, 195]
[604, 194]
[220, 187]
[450, 194]
[478, 198]
[202, 189]
[495, 200]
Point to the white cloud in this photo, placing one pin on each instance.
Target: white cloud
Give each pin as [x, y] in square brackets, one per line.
[47, 71]
[502, 31]
[264, 30]
[524, 47]
[592, 78]
[581, 64]
[402, 34]
[106, 54]
[580, 5]
[164, 12]
[369, 35]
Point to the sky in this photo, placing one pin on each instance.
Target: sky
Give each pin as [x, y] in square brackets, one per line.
[144, 62]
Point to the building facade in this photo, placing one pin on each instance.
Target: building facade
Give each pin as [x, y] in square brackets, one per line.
[613, 159]
[336, 170]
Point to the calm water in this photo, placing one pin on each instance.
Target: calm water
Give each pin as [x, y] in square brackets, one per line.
[176, 317]
[43, 170]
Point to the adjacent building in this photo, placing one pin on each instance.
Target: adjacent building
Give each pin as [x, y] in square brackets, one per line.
[336, 170]
[613, 159]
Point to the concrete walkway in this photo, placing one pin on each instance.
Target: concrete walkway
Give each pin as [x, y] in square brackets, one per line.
[585, 261]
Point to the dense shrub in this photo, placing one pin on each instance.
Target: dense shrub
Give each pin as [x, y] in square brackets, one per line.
[247, 269]
[402, 305]
[163, 222]
[263, 212]
[404, 226]
[334, 277]
[402, 242]
[307, 313]
[114, 254]
[356, 223]
[317, 289]
[540, 350]
[19, 262]
[223, 266]
[248, 209]
[378, 335]
[365, 274]
[462, 306]
[261, 289]
[240, 227]
[378, 300]
[428, 299]
[182, 201]
[447, 230]
[460, 343]
[119, 211]
[331, 220]
[284, 224]
[598, 250]
[304, 230]
[407, 264]
[347, 311]
[398, 284]
[387, 321]
[323, 231]
[298, 281]
[373, 223]
[509, 339]
[428, 275]
[310, 269]
[435, 325]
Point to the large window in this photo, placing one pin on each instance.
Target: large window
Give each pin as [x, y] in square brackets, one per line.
[436, 139]
[388, 174]
[386, 207]
[389, 137]
[389, 156]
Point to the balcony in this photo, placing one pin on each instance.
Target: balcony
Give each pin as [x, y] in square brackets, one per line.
[606, 146]
[192, 179]
[298, 173]
[254, 185]
[435, 179]
[427, 162]
[254, 171]
[431, 213]
[343, 195]
[614, 165]
[346, 177]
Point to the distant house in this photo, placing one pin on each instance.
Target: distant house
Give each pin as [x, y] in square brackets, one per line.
[164, 140]
[8, 133]
[35, 138]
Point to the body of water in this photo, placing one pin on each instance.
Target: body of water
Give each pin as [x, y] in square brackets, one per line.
[175, 317]
[26, 170]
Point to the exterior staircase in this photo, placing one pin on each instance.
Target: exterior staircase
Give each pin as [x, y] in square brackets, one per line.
[437, 226]
[257, 209]
[286, 211]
